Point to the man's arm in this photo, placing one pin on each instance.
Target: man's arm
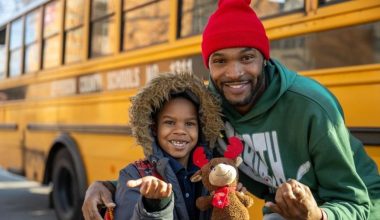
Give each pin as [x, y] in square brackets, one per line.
[98, 193]
[340, 191]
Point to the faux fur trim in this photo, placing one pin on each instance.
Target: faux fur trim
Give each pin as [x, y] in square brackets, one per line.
[157, 91]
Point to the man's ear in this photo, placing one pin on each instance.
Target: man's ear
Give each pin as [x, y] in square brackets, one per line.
[238, 161]
[196, 177]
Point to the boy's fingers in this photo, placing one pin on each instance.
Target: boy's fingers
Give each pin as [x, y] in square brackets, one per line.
[239, 186]
[134, 183]
[144, 188]
[167, 190]
[162, 187]
[154, 185]
[243, 190]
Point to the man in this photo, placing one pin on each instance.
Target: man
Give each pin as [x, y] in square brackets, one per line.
[298, 156]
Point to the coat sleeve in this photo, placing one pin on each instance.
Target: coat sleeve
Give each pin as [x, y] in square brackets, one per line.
[129, 203]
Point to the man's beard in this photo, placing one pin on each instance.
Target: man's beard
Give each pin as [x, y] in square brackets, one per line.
[253, 96]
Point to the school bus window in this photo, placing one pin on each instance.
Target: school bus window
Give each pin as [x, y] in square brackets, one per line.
[129, 4]
[52, 19]
[102, 27]
[32, 27]
[74, 14]
[146, 24]
[265, 8]
[2, 52]
[194, 14]
[103, 33]
[15, 63]
[101, 8]
[32, 58]
[330, 48]
[51, 44]
[51, 55]
[32, 33]
[74, 46]
[328, 2]
[74, 30]
[15, 48]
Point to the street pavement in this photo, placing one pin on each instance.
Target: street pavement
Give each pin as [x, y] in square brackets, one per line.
[21, 199]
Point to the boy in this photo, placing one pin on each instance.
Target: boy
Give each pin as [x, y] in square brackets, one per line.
[169, 117]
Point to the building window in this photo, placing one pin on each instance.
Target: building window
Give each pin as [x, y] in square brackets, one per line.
[145, 23]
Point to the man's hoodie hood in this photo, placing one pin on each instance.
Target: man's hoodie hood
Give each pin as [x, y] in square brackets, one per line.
[151, 98]
[278, 78]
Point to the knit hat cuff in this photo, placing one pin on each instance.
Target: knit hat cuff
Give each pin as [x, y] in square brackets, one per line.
[222, 40]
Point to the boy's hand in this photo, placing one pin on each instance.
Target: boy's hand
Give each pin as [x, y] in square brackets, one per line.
[240, 188]
[294, 200]
[152, 187]
[96, 194]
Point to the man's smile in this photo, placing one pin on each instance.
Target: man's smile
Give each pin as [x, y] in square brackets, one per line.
[236, 87]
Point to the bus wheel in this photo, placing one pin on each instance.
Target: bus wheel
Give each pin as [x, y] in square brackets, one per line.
[66, 195]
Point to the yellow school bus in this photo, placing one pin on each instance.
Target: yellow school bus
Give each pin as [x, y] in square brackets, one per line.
[68, 69]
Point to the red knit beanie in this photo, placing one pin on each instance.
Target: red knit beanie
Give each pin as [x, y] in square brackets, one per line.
[234, 24]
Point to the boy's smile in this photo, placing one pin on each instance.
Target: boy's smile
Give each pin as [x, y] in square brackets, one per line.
[177, 128]
[180, 144]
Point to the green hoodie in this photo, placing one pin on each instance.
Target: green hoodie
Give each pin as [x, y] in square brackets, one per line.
[296, 130]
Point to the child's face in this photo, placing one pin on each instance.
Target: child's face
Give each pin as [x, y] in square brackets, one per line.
[177, 128]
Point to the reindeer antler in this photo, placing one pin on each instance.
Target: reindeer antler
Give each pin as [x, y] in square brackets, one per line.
[199, 157]
[234, 148]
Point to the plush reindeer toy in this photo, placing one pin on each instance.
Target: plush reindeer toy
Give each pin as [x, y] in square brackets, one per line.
[220, 177]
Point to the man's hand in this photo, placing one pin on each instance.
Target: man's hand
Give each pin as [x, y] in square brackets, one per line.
[294, 200]
[96, 194]
[152, 187]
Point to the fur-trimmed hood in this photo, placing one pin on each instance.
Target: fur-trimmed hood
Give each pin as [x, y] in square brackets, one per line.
[159, 90]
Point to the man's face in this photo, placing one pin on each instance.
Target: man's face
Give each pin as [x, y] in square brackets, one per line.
[236, 73]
